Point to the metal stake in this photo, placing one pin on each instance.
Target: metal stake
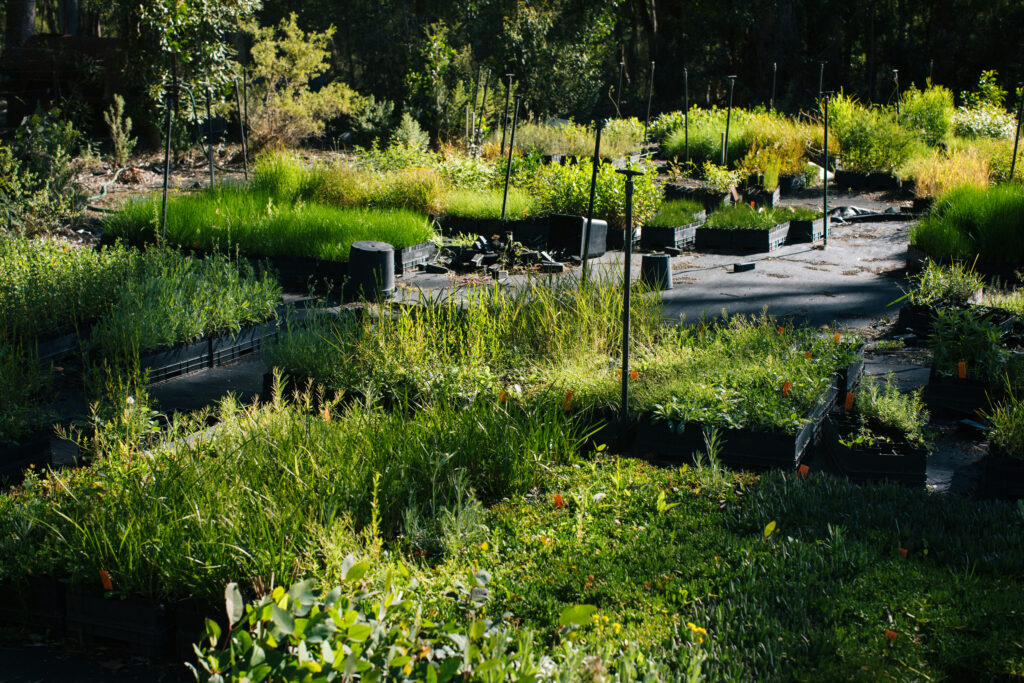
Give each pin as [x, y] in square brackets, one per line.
[650, 93]
[209, 135]
[245, 125]
[590, 205]
[723, 149]
[896, 81]
[728, 118]
[775, 71]
[825, 220]
[511, 147]
[821, 77]
[504, 118]
[686, 113]
[1016, 138]
[241, 126]
[618, 91]
[628, 239]
[172, 94]
[483, 102]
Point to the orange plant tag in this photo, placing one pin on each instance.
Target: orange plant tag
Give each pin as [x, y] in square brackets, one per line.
[781, 329]
[786, 388]
[327, 414]
[808, 355]
[836, 337]
[891, 635]
[961, 370]
[559, 503]
[804, 470]
[108, 585]
[503, 396]
[633, 374]
[848, 404]
[752, 205]
[568, 400]
[903, 552]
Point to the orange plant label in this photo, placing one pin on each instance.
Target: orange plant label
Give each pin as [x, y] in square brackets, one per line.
[961, 370]
[503, 396]
[848, 404]
[781, 329]
[808, 355]
[836, 337]
[559, 503]
[786, 388]
[568, 400]
[633, 374]
[108, 585]
[804, 470]
[903, 552]
[891, 635]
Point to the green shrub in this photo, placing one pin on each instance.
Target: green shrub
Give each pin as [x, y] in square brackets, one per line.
[1007, 420]
[27, 389]
[972, 222]
[566, 189]
[964, 336]
[956, 284]
[409, 134]
[870, 139]
[929, 113]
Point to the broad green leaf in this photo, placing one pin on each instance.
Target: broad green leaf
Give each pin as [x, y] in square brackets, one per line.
[212, 632]
[359, 632]
[234, 603]
[769, 529]
[283, 621]
[576, 615]
[357, 571]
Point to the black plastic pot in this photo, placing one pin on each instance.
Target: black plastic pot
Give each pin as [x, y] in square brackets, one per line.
[34, 449]
[708, 198]
[747, 448]
[850, 180]
[801, 232]
[616, 240]
[138, 624]
[955, 397]
[880, 180]
[656, 271]
[790, 183]
[919, 318]
[371, 269]
[1003, 475]
[761, 197]
[741, 241]
[898, 462]
[568, 235]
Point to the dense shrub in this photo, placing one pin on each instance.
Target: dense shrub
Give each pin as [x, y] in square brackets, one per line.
[870, 139]
[566, 189]
[929, 113]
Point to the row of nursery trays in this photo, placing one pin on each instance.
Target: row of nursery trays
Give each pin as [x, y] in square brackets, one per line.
[210, 351]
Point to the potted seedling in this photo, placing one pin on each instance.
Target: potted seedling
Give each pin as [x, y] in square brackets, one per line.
[1004, 464]
[744, 228]
[674, 226]
[966, 359]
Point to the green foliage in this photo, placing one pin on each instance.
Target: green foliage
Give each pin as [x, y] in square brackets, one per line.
[745, 217]
[409, 133]
[870, 139]
[971, 222]
[620, 137]
[964, 336]
[676, 213]
[884, 410]
[987, 92]
[120, 131]
[956, 285]
[566, 189]
[1007, 420]
[928, 113]
[27, 390]
[984, 120]
[720, 178]
[284, 110]
[486, 204]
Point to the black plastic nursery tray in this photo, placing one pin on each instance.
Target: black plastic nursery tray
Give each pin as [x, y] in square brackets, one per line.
[678, 237]
[801, 232]
[740, 240]
[954, 397]
[35, 449]
[139, 624]
[710, 199]
[57, 347]
[208, 352]
[898, 461]
[1002, 475]
[675, 442]
[408, 258]
[919, 318]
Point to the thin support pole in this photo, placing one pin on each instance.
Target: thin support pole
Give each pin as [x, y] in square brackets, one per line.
[241, 127]
[722, 158]
[686, 113]
[483, 101]
[650, 93]
[209, 134]
[618, 90]
[728, 119]
[590, 205]
[896, 83]
[504, 118]
[821, 78]
[1016, 137]
[931, 69]
[245, 123]
[627, 272]
[172, 94]
[775, 72]
[511, 148]
[824, 201]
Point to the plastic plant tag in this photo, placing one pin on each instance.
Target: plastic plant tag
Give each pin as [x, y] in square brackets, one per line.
[961, 370]
[559, 503]
[568, 399]
[891, 635]
[633, 374]
[902, 552]
[786, 388]
[836, 337]
[848, 403]
[108, 585]
[804, 470]
[503, 396]
[808, 355]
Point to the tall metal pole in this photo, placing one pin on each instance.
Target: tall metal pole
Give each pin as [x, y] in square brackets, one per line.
[775, 71]
[627, 268]
[504, 118]
[824, 203]
[241, 127]
[172, 95]
[686, 112]
[728, 119]
[590, 204]
[483, 102]
[209, 134]
[1016, 138]
[618, 90]
[511, 147]
[821, 77]
[650, 93]
[896, 82]
[245, 122]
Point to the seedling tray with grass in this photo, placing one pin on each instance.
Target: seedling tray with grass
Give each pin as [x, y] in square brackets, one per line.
[956, 397]
[896, 460]
[747, 448]
[1003, 475]
[37, 605]
[674, 226]
[739, 240]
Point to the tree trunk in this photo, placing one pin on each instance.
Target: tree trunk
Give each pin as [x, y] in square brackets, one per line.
[21, 22]
[69, 17]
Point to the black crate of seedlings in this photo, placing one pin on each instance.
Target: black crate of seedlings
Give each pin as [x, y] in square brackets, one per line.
[884, 456]
[137, 623]
[804, 231]
[208, 352]
[408, 258]
[954, 396]
[1002, 474]
[747, 448]
[741, 240]
[672, 237]
[920, 318]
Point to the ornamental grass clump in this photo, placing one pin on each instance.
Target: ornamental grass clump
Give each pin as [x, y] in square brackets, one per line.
[973, 223]
[745, 217]
[675, 213]
[486, 204]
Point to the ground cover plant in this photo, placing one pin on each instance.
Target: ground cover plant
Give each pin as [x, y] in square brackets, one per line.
[745, 217]
[937, 285]
[972, 223]
[675, 213]
[27, 389]
[620, 137]
[884, 412]
[964, 336]
[486, 204]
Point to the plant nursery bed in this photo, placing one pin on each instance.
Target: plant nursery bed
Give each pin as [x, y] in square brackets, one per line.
[897, 461]
[38, 605]
[139, 624]
[741, 240]
[761, 197]
[1002, 475]
[919, 318]
[678, 237]
[747, 448]
[709, 198]
[801, 232]
[955, 397]
[35, 449]
[1004, 273]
